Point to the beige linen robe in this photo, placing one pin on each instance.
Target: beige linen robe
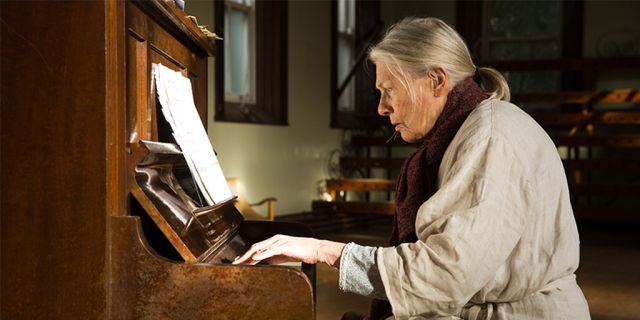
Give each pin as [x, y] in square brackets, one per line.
[498, 240]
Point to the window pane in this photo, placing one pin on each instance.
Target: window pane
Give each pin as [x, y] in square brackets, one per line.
[533, 81]
[352, 15]
[345, 62]
[236, 53]
[247, 3]
[342, 15]
[346, 48]
[530, 50]
[346, 16]
[511, 19]
[526, 30]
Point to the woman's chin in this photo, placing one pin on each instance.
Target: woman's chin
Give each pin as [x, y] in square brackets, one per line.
[407, 137]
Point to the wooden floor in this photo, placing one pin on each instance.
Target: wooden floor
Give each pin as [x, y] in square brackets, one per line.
[609, 272]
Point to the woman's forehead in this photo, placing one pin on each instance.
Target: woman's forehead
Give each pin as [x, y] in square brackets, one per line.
[383, 75]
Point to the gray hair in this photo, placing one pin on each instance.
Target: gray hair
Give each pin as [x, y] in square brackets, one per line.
[413, 46]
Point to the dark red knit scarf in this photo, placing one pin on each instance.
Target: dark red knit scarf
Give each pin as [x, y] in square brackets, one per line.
[419, 173]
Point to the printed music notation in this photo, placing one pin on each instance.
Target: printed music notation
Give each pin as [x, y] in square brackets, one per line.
[178, 107]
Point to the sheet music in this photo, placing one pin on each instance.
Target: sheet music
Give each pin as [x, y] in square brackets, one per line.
[176, 98]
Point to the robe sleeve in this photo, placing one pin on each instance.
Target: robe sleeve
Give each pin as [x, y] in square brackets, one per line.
[359, 271]
[466, 231]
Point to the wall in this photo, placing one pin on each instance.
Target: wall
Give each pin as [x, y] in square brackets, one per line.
[392, 11]
[284, 161]
[611, 28]
[609, 24]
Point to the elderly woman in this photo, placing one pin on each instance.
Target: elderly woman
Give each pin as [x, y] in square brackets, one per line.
[484, 228]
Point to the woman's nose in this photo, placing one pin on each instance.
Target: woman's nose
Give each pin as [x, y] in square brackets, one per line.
[383, 108]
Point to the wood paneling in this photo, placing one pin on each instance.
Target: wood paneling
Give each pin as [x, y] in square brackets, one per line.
[53, 160]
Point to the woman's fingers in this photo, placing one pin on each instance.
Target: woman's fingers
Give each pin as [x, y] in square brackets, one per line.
[286, 248]
[250, 257]
[245, 257]
[277, 248]
[282, 246]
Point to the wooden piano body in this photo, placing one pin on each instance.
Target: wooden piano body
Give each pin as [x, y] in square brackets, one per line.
[77, 241]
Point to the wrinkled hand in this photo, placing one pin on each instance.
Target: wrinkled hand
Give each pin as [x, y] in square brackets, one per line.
[281, 248]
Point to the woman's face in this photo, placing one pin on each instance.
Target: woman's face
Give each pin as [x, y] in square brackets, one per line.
[413, 122]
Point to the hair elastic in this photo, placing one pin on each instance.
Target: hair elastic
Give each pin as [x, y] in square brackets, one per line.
[476, 76]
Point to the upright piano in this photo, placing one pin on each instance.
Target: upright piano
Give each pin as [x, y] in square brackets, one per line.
[98, 216]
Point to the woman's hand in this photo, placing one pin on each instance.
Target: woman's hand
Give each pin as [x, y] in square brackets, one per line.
[281, 248]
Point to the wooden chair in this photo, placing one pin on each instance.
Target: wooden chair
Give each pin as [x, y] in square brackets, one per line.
[245, 207]
[338, 189]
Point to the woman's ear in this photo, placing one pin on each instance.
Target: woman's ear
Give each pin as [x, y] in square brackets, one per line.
[439, 79]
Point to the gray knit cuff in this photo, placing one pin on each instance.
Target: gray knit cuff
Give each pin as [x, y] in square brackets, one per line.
[359, 272]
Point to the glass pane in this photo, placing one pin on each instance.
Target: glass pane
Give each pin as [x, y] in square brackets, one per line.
[242, 2]
[236, 52]
[352, 15]
[511, 18]
[345, 58]
[530, 50]
[347, 99]
[345, 62]
[526, 30]
[342, 15]
[533, 81]
[346, 29]
[346, 16]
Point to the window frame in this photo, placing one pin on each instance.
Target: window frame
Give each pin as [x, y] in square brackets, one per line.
[270, 69]
[472, 27]
[367, 29]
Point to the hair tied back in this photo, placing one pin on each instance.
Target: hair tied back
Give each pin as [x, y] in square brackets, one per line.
[476, 76]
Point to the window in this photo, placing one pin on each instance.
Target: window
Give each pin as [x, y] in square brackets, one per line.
[346, 29]
[239, 51]
[251, 61]
[518, 32]
[524, 30]
[355, 25]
